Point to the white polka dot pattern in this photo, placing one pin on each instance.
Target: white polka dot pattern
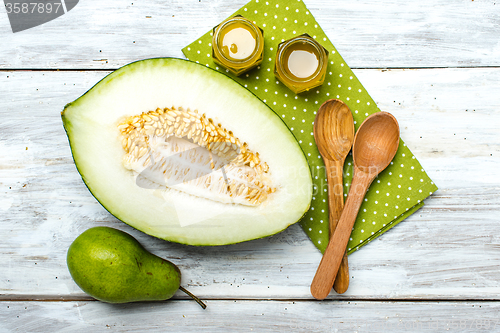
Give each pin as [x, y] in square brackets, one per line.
[395, 194]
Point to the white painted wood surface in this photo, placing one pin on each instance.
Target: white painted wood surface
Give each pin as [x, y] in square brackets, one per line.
[368, 33]
[253, 316]
[441, 265]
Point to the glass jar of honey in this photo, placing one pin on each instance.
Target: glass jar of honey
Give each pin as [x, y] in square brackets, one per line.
[237, 44]
[301, 63]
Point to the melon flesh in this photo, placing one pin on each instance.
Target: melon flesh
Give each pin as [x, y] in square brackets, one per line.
[251, 182]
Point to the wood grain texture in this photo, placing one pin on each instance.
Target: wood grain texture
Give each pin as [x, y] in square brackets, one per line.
[439, 267]
[334, 135]
[374, 147]
[251, 316]
[335, 207]
[332, 258]
[368, 33]
[45, 204]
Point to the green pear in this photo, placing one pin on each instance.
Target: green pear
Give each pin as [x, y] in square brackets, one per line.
[113, 267]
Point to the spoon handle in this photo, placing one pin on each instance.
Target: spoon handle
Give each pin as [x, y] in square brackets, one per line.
[335, 170]
[330, 263]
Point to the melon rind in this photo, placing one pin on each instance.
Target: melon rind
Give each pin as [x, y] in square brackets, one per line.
[91, 125]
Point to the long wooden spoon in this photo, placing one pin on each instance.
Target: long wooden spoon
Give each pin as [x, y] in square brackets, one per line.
[375, 145]
[334, 134]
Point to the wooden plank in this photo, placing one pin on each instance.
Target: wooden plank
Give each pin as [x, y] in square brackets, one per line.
[449, 119]
[368, 33]
[45, 205]
[245, 316]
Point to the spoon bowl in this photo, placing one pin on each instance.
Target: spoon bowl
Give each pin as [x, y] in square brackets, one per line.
[376, 142]
[334, 130]
[375, 145]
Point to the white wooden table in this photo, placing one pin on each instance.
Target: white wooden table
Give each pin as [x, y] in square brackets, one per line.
[434, 64]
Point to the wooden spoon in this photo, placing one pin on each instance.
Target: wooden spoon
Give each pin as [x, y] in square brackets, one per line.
[375, 145]
[334, 134]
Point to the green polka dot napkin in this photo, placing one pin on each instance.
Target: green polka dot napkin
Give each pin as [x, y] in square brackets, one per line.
[397, 192]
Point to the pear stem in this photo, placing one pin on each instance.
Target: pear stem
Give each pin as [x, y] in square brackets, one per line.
[199, 301]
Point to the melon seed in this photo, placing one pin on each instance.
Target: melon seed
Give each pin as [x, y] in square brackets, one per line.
[237, 174]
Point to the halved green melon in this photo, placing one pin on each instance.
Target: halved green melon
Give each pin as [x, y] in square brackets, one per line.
[186, 154]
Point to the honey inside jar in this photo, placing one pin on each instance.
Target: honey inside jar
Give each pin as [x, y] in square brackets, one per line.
[301, 63]
[238, 41]
[302, 60]
[237, 44]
